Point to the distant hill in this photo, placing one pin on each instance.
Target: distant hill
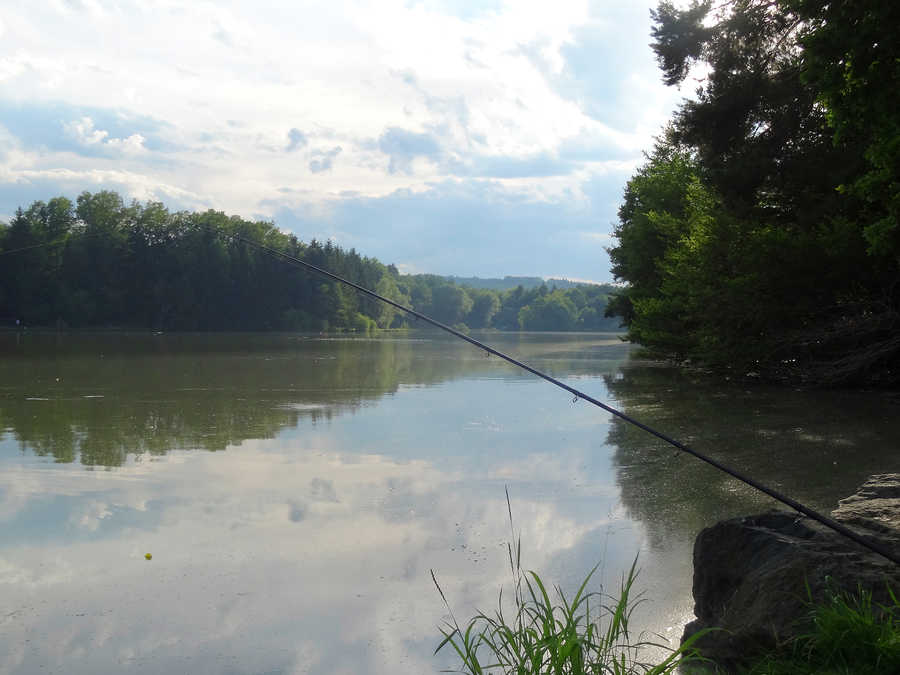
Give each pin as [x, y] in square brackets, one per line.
[508, 283]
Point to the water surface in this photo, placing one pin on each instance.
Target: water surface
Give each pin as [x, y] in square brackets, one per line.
[295, 491]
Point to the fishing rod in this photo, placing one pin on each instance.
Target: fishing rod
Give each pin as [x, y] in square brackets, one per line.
[873, 546]
[578, 394]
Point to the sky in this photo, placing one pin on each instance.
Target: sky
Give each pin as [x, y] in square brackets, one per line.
[472, 138]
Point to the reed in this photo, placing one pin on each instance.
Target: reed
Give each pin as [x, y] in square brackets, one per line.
[588, 632]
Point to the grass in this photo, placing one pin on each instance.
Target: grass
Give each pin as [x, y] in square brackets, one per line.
[586, 633]
[848, 635]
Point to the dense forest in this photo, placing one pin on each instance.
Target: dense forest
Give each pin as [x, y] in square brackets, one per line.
[762, 232]
[100, 262]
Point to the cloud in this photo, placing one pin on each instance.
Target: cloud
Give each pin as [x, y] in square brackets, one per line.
[86, 135]
[404, 147]
[296, 511]
[608, 69]
[534, 166]
[84, 130]
[90, 515]
[434, 105]
[323, 490]
[296, 140]
[450, 113]
[324, 159]
[472, 227]
[240, 594]
[223, 36]
[466, 10]
[597, 143]
[21, 187]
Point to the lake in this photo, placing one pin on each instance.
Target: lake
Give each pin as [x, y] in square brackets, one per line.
[296, 491]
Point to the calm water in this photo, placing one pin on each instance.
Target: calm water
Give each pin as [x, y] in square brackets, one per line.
[295, 491]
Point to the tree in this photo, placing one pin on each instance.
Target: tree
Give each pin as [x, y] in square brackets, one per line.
[104, 263]
[851, 59]
[485, 304]
[387, 287]
[96, 276]
[38, 234]
[451, 303]
[763, 226]
[651, 219]
[550, 311]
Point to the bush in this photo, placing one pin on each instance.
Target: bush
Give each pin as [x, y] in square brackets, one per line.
[362, 324]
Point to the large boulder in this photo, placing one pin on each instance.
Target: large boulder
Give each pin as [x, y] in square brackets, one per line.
[754, 577]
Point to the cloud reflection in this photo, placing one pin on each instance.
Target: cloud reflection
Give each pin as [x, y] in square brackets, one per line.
[233, 580]
[304, 546]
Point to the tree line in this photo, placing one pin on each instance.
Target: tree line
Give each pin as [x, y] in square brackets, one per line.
[762, 231]
[99, 262]
[508, 283]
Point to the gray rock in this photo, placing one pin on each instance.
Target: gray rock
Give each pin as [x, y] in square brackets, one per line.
[875, 507]
[754, 577]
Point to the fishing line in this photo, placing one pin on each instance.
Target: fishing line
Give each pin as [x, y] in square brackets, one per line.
[784, 499]
[66, 238]
[577, 394]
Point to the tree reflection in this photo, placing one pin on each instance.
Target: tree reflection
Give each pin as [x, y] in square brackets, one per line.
[98, 399]
[814, 446]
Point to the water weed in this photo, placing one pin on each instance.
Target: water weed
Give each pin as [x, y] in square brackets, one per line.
[588, 632]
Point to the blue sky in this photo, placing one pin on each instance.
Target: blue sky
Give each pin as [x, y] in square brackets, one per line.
[472, 138]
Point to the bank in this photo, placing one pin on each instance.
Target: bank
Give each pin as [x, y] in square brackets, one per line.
[758, 581]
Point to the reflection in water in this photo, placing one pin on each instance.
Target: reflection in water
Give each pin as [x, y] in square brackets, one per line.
[815, 446]
[306, 546]
[351, 468]
[98, 399]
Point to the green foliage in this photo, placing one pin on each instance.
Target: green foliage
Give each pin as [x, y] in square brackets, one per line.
[104, 263]
[852, 60]
[485, 306]
[680, 36]
[849, 635]
[576, 307]
[462, 328]
[384, 313]
[553, 311]
[587, 633]
[362, 324]
[763, 227]
[450, 304]
[508, 283]
[652, 219]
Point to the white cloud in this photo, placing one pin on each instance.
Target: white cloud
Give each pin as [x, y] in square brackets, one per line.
[134, 143]
[41, 183]
[217, 516]
[11, 67]
[90, 515]
[498, 91]
[83, 132]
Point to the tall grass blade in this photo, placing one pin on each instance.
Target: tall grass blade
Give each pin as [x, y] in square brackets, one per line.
[556, 637]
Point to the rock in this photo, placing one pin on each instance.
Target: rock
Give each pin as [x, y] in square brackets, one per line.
[875, 506]
[751, 574]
